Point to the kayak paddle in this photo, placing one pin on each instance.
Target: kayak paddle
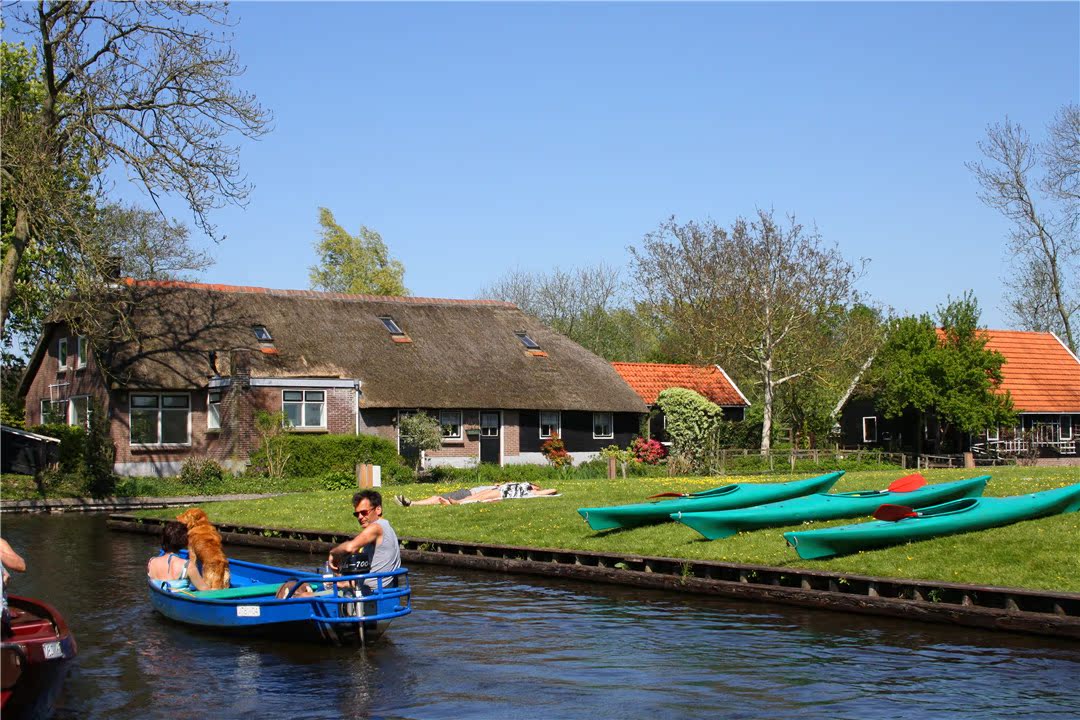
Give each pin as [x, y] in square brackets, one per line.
[908, 483]
[668, 494]
[893, 513]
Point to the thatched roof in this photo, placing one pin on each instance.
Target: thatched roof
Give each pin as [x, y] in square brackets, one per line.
[458, 353]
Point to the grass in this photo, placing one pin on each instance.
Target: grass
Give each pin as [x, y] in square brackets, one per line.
[1037, 554]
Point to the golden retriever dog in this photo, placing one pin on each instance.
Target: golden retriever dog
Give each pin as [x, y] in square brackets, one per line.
[204, 545]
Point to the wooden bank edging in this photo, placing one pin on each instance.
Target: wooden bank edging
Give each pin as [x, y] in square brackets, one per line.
[992, 608]
[108, 504]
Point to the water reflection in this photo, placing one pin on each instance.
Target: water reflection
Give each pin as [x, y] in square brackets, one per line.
[493, 646]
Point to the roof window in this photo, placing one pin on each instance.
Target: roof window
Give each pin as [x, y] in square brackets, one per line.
[262, 333]
[527, 341]
[390, 325]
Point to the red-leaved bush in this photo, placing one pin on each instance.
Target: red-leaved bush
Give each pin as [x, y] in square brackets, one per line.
[649, 451]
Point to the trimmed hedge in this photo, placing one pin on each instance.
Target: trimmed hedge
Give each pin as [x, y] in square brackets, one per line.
[312, 456]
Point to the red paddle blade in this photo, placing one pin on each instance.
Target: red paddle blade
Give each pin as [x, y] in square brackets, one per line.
[907, 483]
[667, 494]
[893, 513]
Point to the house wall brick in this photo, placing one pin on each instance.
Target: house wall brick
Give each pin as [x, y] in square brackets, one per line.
[50, 383]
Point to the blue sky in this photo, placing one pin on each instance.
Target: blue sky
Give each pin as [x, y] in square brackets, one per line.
[481, 137]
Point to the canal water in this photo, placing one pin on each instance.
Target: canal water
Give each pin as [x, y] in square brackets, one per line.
[482, 645]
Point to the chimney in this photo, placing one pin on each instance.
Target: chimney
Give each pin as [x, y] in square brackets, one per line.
[240, 367]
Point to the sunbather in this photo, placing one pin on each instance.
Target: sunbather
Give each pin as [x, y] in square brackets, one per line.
[484, 493]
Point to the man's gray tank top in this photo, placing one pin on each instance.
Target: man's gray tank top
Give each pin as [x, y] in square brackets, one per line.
[387, 554]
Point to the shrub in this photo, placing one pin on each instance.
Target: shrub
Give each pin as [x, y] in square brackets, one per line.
[314, 456]
[555, 452]
[339, 480]
[649, 451]
[99, 454]
[202, 473]
[691, 422]
[72, 445]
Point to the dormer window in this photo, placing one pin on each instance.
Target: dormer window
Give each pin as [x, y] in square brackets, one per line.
[389, 324]
[262, 334]
[527, 341]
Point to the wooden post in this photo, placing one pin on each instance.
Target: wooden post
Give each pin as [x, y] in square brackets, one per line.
[611, 468]
[969, 460]
[368, 476]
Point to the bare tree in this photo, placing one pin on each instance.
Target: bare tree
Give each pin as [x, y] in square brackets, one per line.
[757, 296]
[1037, 187]
[145, 86]
[589, 305]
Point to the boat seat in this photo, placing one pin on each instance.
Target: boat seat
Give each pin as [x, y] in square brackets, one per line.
[238, 592]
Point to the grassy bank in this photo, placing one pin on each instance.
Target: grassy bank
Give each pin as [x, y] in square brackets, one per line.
[23, 487]
[1043, 554]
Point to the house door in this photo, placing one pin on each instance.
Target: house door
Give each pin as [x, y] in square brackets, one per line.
[490, 440]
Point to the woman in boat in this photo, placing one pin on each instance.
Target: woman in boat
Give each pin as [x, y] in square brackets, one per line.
[168, 567]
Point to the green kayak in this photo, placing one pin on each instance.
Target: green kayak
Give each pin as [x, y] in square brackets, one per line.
[725, 523]
[958, 516]
[721, 498]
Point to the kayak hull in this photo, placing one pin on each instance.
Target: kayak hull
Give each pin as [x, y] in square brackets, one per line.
[957, 516]
[725, 523]
[723, 498]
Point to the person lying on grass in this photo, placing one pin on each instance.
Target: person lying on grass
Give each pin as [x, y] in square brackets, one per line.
[483, 493]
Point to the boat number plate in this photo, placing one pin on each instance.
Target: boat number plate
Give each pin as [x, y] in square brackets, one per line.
[53, 650]
[248, 610]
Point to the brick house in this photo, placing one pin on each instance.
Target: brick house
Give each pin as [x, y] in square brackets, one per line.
[1040, 373]
[710, 381]
[205, 358]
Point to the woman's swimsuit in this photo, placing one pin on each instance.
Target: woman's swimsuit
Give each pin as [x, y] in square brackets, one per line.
[181, 583]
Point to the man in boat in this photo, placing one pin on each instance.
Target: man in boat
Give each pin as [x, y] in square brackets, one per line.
[484, 493]
[8, 559]
[367, 509]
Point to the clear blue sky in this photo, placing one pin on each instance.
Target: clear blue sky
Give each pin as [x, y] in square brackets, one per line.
[482, 137]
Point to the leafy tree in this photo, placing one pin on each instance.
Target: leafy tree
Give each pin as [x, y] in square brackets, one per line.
[949, 373]
[588, 305]
[421, 431]
[358, 263]
[145, 86]
[1037, 187]
[12, 408]
[753, 299]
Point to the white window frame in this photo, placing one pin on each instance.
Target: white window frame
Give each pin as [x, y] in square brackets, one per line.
[213, 408]
[456, 423]
[51, 404]
[391, 325]
[82, 349]
[557, 425]
[61, 355]
[304, 402]
[71, 419]
[1066, 421]
[161, 410]
[865, 439]
[611, 426]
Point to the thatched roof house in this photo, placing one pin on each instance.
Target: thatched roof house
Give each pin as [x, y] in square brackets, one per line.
[372, 356]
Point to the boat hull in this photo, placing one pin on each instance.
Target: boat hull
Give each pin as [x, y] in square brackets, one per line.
[335, 613]
[35, 659]
[723, 498]
[957, 516]
[725, 523]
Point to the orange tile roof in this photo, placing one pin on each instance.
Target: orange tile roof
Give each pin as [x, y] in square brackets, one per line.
[1041, 373]
[649, 379]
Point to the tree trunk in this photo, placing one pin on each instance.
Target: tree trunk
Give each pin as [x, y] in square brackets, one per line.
[20, 237]
[766, 422]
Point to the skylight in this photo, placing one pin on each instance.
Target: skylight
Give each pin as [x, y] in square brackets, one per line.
[527, 341]
[392, 326]
[262, 333]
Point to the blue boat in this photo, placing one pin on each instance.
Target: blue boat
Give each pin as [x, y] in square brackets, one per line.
[342, 610]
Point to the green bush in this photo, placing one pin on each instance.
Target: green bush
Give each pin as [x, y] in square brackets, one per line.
[202, 474]
[314, 456]
[72, 445]
[339, 480]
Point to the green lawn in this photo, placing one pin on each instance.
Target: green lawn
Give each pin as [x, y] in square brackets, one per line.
[1043, 554]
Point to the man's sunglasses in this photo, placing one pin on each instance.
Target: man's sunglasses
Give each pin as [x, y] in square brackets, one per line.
[362, 513]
